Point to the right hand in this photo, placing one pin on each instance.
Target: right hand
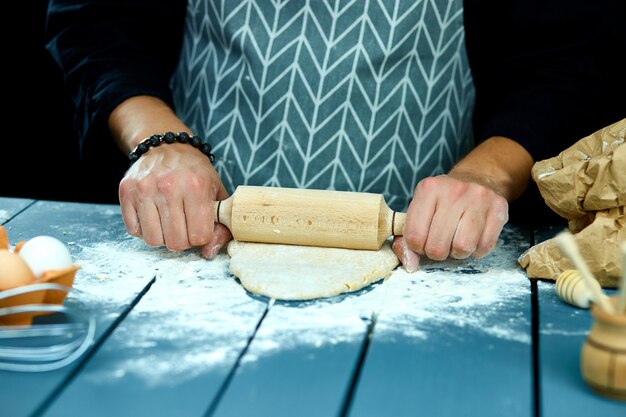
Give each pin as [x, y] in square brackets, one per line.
[462, 213]
[167, 198]
[451, 215]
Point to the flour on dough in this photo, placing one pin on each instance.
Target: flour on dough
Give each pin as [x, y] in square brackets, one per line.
[289, 272]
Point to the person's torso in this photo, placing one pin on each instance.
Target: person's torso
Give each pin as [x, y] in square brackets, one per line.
[369, 95]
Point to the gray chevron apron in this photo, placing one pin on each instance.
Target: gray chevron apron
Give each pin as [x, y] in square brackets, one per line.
[362, 95]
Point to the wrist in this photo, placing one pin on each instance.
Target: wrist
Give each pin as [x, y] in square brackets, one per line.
[139, 117]
[498, 163]
[492, 181]
[169, 138]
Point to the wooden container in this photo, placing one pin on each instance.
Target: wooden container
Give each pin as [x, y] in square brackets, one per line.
[603, 356]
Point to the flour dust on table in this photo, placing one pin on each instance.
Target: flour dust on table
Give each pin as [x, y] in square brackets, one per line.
[292, 272]
[197, 306]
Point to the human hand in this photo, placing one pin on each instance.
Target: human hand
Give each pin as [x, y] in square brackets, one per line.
[167, 199]
[450, 215]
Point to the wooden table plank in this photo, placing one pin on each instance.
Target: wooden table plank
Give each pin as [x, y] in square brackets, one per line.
[302, 359]
[172, 353]
[462, 346]
[563, 329]
[9, 207]
[79, 226]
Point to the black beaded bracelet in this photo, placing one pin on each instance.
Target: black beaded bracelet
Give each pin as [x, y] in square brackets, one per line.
[170, 137]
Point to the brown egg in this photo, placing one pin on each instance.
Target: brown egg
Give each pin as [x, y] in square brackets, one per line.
[14, 272]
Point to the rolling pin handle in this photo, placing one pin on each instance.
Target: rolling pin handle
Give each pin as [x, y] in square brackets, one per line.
[397, 223]
[216, 216]
[222, 211]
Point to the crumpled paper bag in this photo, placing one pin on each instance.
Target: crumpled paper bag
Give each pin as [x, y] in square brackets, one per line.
[585, 184]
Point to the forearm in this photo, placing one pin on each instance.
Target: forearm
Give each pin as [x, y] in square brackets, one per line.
[498, 163]
[462, 214]
[109, 51]
[166, 195]
[139, 117]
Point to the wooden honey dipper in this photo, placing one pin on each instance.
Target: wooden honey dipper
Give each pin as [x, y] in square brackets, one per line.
[566, 242]
[571, 288]
[293, 216]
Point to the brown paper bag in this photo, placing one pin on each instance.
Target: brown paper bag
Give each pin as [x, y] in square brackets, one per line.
[585, 184]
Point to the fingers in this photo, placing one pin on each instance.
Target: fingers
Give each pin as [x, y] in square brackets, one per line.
[221, 236]
[129, 214]
[493, 227]
[198, 212]
[140, 215]
[199, 225]
[408, 258]
[167, 198]
[419, 215]
[451, 217]
[442, 230]
[174, 224]
[150, 224]
[467, 234]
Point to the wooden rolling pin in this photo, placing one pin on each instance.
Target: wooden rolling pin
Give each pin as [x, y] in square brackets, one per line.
[293, 216]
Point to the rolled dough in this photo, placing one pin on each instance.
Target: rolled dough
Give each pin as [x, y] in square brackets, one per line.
[289, 272]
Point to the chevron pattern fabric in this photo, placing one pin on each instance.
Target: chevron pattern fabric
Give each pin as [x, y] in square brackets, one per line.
[361, 95]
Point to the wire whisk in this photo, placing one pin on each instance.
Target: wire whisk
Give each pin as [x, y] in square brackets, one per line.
[41, 347]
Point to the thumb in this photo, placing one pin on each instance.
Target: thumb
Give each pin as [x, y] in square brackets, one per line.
[409, 259]
[221, 236]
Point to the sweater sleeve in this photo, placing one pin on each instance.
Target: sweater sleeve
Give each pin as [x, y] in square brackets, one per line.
[109, 51]
[545, 72]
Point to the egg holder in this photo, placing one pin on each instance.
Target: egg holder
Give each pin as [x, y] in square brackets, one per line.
[9, 301]
[29, 347]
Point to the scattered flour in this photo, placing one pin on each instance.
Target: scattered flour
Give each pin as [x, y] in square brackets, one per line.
[553, 322]
[197, 307]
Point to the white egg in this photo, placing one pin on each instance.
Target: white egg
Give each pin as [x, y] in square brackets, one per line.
[43, 253]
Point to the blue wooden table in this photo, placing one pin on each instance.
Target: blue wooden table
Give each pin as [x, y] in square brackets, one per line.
[177, 335]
